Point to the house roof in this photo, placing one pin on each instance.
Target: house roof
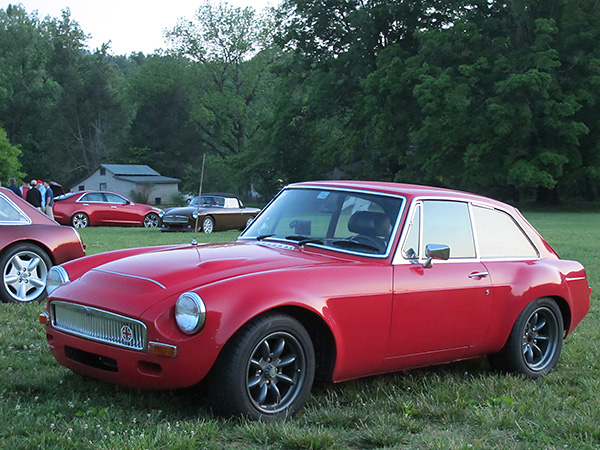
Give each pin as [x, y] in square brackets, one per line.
[130, 169]
[147, 179]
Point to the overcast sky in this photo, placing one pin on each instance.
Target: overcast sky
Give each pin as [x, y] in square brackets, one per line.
[130, 25]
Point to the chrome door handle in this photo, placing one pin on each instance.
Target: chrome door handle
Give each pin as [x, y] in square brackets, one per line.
[479, 275]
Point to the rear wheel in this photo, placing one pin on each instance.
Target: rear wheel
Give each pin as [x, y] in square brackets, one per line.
[80, 220]
[266, 371]
[24, 273]
[535, 342]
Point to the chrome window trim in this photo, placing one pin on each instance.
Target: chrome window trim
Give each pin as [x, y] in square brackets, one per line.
[393, 233]
[27, 219]
[399, 259]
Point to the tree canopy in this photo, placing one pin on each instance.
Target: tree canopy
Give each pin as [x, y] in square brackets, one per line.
[496, 97]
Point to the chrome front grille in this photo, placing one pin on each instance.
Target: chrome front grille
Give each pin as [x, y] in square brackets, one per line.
[98, 325]
[176, 219]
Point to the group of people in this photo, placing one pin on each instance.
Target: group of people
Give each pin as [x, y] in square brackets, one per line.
[38, 193]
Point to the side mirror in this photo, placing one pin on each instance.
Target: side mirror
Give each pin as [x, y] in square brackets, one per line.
[436, 251]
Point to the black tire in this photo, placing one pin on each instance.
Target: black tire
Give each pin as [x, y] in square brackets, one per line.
[266, 371]
[249, 221]
[80, 220]
[24, 271]
[151, 220]
[208, 225]
[535, 341]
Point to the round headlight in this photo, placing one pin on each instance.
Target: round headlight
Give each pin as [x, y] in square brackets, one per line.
[57, 276]
[190, 313]
[195, 214]
[161, 213]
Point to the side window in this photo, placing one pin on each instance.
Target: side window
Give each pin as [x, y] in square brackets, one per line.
[498, 235]
[92, 197]
[412, 245]
[10, 214]
[112, 198]
[448, 223]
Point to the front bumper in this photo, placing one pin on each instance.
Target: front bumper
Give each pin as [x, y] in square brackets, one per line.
[180, 365]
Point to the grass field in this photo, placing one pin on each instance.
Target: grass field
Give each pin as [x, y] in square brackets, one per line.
[457, 406]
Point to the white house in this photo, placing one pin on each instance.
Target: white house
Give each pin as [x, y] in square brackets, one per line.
[140, 183]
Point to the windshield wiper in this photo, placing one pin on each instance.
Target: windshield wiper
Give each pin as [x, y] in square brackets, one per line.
[264, 236]
[302, 240]
[345, 243]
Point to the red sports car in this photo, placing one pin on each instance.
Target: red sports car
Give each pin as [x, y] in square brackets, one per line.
[30, 243]
[338, 280]
[91, 208]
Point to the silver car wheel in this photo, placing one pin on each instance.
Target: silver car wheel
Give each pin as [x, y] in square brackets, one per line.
[208, 224]
[151, 220]
[80, 220]
[24, 276]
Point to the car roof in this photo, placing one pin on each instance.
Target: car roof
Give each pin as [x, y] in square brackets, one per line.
[409, 191]
[34, 214]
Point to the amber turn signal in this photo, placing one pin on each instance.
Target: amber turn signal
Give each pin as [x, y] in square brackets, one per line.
[159, 349]
[44, 318]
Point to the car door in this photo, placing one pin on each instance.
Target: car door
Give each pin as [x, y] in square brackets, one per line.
[120, 210]
[94, 205]
[441, 311]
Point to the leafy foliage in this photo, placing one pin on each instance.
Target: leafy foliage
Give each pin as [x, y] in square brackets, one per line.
[494, 97]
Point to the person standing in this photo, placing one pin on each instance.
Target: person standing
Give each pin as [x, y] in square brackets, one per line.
[34, 196]
[12, 185]
[49, 200]
[42, 189]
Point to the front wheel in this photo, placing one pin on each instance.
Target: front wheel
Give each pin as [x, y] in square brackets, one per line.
[24, 273]
[151, 220]
[80, 220]
[208, 224]
[535, 342]
[266, 371]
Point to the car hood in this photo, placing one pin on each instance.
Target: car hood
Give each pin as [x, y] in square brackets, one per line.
[182, 211]
[132, 284]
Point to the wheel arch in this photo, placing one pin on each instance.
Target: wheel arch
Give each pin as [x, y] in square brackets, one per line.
[565, 310]
[38, 244]
[320, 334]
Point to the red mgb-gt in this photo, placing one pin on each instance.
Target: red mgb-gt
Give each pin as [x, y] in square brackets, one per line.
[336, 280]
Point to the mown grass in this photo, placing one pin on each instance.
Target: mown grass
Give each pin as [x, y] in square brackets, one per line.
[456, 406]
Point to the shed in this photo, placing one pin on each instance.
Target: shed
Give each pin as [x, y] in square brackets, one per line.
[140, 183]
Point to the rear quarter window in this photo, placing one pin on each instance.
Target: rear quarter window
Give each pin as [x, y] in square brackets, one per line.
[499, 236]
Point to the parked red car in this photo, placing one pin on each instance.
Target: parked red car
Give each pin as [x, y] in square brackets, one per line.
[338, 280]
[92, 208]
[30, 243]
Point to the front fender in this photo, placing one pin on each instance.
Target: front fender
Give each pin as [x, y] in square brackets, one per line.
[354, 301]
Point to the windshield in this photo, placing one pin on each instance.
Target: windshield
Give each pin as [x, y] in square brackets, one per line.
[344, 220]
[208, 200]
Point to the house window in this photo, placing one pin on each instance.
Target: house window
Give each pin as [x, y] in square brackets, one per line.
[82, 188]
[102, 171]
[103, 187]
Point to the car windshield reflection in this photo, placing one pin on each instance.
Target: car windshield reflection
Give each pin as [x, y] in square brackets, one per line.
[342, 220]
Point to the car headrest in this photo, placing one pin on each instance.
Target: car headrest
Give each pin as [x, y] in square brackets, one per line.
[370, 224]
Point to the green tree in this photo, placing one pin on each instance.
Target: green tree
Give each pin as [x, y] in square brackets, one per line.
[27, 92]
[233, 52]
[9, 159]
